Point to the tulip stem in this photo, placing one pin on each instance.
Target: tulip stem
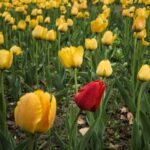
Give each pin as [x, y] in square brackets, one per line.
[2, 103]
[75, 80]
[31, 144]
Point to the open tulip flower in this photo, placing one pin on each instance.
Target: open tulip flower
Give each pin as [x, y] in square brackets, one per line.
[71, 56]
[90, 95]
[35, 112]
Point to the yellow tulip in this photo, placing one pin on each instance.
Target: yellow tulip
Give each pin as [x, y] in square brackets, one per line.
[108, 38]
[39, 32]
[33, 23]
[106, 2]
[36, 111]
[21, 25]
[140, 35]
[74, 10]
[70, 22]
[99, 25]
[6, 58]
[91, 44]
[39, 19]
[51, 35]
[63, 27]
[1, 38]
[104, 68]
[16, 50]
[139, 23]
[144, 73]
[71, 56]
[47, 20]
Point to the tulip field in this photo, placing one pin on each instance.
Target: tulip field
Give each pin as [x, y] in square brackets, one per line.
[75, 74]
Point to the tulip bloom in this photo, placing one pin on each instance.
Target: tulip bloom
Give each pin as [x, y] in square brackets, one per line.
[35, 112]
[6, 58]
[99, 25]
[108, 38]
[71, 56]
[90, 95]
[144, 73]
[139, 23]
[16, 50]
[1, 38]
[21, 25]
[104, 68]
[91, 44]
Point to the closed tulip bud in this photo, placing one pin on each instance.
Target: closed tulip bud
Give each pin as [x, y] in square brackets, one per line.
[14, 27]
[71, 57]
[104, 68]
[74, 11]
[28, 18]
[108, 38]
[39, 19]
[63, 9]
[33, 23]
[70, 22]
[80, 15]
[139, 23]
[90, 95]
[35, 112]
[16, 50]
[91, 44]
[6, 58]
[51, 35]
[144, 73]
[1, 38]
[47, 20]
[63, 27]
[39, 32]
[21, 25]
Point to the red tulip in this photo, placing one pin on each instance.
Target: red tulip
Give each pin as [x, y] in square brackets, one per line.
[90, 95]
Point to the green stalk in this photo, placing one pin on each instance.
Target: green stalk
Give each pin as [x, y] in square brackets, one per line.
[75, 80]
[31, 144]
[36, 61]
[3, 103]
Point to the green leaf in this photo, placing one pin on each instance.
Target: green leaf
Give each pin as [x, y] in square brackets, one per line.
[136, 137]
[128, 100]
[5, 143]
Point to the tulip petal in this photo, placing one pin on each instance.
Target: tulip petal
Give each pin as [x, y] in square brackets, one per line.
[28, 112]
[43, 125]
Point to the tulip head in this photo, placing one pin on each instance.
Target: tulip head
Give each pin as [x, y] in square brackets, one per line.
[21, 25]
[16, 50]
[144, 73]
[104, 68]
[108, 38]
[6, 58]
[99, 25]
[1, 38]
[35, 112]
[71, 56]
[90, 95]
[91, 44]
[139, 23]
